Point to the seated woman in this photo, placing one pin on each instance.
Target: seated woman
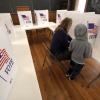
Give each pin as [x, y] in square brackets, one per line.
[61, 40]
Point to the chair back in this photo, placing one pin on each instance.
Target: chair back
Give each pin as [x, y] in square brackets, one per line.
[52, 57]
[48, 53]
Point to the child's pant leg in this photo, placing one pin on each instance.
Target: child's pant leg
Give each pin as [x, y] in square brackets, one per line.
[76, 68]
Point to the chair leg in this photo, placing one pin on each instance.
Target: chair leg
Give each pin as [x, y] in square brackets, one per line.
[44, 61]
[63, 67]
[93, 80]
[50, 34]
[51, 70]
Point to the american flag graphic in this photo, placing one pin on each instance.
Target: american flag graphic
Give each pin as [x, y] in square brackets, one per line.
[92, 28]
[25, 17]
[59, 17]
[42, 15]
[4, 58]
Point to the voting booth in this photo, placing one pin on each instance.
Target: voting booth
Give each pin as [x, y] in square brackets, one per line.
[41, 17]
[60, 15]
[25, 18]
[7, 64]
[91, 20]
[6, 17]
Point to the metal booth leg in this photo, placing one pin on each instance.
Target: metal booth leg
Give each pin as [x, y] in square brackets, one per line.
[93, 80]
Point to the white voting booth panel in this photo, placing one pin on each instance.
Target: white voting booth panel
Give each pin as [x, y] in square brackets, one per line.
[26, 85]
[7, 65]
[60, 15]
[77, 18]
[6, 17]
[25, 18]
[93, 26]
[97, 41]
[89, 13]
[41, 17]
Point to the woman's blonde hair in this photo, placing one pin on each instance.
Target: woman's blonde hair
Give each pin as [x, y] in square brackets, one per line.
[64, 24]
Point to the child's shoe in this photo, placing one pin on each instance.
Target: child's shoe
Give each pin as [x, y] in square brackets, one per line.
[71, 77]
[67, 74]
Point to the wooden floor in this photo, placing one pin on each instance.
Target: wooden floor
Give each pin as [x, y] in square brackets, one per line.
[57, 86]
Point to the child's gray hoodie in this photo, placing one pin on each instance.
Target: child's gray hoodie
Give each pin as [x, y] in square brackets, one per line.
[80, 47]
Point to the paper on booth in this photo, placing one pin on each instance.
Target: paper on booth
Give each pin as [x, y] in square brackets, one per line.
[41, 17]
[60, 15]
[25, 18]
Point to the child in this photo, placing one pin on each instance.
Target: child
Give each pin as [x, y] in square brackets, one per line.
[80, 49]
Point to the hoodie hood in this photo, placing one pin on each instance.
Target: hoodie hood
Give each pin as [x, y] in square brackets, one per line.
[80, 32]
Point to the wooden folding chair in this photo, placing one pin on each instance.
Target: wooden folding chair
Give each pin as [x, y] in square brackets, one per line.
[52, 59]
